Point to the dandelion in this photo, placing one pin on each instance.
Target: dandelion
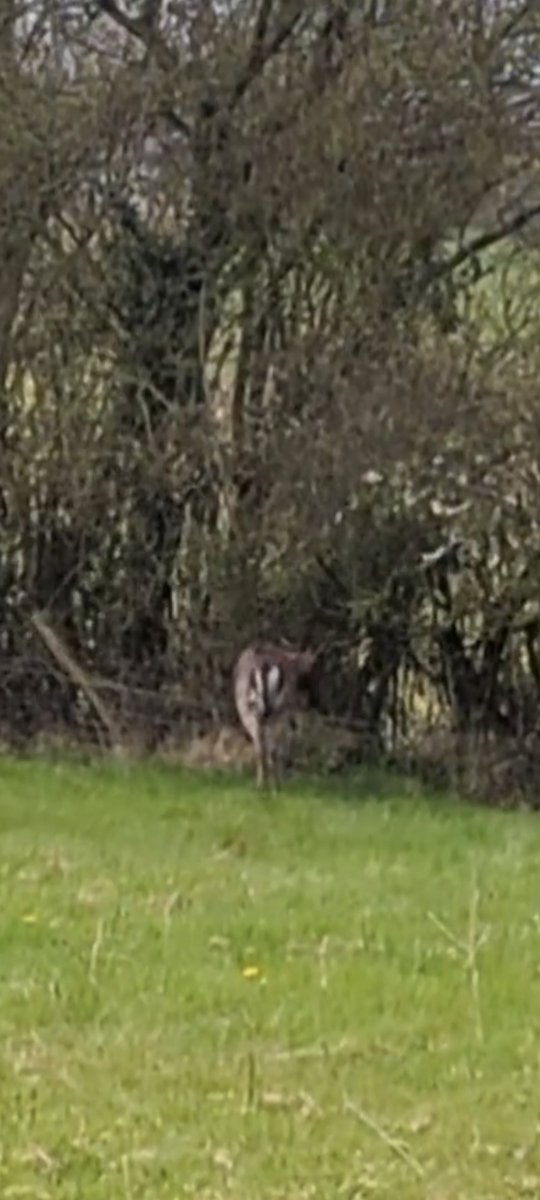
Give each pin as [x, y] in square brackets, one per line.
[251, 972]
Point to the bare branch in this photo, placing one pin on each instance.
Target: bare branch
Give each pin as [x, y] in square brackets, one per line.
[75, 672]
[510, 23]
[261, 24]
[143, 28]
[150, 15]
[484, 241]
[262, 51]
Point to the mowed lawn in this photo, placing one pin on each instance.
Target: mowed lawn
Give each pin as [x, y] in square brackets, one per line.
[335, 993]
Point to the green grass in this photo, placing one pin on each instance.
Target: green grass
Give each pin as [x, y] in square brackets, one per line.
[385, 1043]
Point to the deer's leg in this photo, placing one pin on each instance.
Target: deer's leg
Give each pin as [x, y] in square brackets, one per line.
[289, 743]
[283, 755]
[263, 756]
[273, 756]
[262, 741]
[257, 733]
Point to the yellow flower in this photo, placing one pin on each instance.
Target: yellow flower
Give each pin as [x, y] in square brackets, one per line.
[30, 918]
[251, 972]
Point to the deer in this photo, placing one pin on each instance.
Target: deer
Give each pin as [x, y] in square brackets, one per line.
[269, 684]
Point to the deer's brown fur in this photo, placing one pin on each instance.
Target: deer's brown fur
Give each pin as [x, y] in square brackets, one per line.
[269, 685]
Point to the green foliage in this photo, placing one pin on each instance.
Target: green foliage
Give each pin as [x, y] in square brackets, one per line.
[154, 287]
[205, 993]
[502, 305]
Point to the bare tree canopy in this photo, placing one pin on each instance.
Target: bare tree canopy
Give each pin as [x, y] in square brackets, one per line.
[268, 354]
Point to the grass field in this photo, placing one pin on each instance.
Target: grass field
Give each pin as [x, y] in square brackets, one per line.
[204, 993]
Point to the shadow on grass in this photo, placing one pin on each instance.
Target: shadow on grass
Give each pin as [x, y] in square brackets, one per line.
[355, 787]
[174, 787]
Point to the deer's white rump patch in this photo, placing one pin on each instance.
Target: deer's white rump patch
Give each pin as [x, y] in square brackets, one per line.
[274, 681]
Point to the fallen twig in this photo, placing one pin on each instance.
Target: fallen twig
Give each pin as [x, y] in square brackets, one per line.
[468, 949]
[74, 671]
[393, 1143]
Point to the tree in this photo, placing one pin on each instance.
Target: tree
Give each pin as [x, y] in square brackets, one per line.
[250, 383]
